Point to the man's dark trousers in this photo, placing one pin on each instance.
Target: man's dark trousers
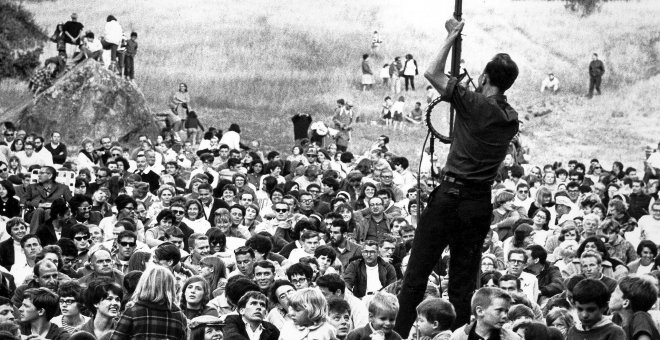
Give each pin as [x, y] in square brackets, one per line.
[457, 216]
[594, 83]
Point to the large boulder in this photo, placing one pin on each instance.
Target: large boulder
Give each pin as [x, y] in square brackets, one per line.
[88, 101]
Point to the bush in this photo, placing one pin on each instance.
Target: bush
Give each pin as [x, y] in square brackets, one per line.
[21, 41]
[583, 7]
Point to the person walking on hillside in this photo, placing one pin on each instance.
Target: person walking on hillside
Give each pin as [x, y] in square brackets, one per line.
[596, 70]
[367, 73]
[395, 73]
[410, 71]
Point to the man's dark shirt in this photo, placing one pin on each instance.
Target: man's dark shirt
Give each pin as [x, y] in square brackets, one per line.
[59, 153]
[596, 68]
[73, 28]
[301, 124]
[639, 205]
[483, 129]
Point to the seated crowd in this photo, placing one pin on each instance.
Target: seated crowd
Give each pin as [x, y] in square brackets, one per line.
[171, 240]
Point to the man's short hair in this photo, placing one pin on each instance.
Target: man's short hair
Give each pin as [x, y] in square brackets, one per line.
[332, 282]
[509, 277]
[194, 237]
[403, 161]
[502, 71]
[437, 309]
[343, 226]
[518, 311]
[517, 251]
[27, 238]
[590, 290]
[242, 302]
[588, 254]
[485, 296]
[538, 252]
[308, 234]
[266, 264]
[383, 302]
[244, 251]
[44, 298]
[339, 306]
[300, 269]
[640, 290]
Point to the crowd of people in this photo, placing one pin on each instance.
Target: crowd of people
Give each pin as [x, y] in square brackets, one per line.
[177, 239]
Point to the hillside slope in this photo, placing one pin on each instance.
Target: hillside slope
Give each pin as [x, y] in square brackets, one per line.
[257, 63]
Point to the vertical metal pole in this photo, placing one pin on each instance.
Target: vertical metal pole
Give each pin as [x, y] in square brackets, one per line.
[455, 60]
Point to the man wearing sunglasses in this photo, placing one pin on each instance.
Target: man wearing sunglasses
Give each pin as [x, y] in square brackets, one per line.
[126, 246]
[523, 198]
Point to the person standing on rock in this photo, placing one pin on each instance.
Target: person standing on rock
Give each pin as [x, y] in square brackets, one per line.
[72, 35]
[596, 71]
[112, 39]
[180, 105]
[367, 73]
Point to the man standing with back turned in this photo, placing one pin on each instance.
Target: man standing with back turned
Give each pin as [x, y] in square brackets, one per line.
[459, 210]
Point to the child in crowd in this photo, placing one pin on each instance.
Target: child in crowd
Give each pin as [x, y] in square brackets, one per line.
[631, 300]
[397, 112]
[434, 319]
[383, 309]
[386, 113]
[591, 299]
[129, 57]
[385, 74]
[308, 310]
[193, 126]
[339, 315]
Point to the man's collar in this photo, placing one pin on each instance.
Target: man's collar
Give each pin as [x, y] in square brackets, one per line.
[249, 328]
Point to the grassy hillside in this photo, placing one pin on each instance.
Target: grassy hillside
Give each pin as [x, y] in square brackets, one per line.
[257, 63]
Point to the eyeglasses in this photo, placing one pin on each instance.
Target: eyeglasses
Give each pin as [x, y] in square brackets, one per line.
[281, 210]
[127, 244]
[3, 169]
[516, 261]
[80, 238]
[523, 191]
[130, 208]
[67, 301]
[298, 281]
[178, 212]
[85, 208]
[375, 204]
[307, 201]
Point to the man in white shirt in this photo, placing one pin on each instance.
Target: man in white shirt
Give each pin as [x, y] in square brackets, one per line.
[523, 198]
[31, 248]
[310, 241]
[516, 262]
[550, 83]
[650, 224]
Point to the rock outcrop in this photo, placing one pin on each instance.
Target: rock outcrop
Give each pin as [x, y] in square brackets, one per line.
[88, 101]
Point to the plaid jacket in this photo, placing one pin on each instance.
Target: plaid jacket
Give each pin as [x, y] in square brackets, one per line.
[146, 320]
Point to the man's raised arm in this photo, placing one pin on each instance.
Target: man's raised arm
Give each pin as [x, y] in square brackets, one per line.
[436, 71]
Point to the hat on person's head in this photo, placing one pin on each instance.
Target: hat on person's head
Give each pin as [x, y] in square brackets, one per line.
[312, 151]
[313, 185]
[74, 15]
[348, 104]
[344, 194]
[563, 200]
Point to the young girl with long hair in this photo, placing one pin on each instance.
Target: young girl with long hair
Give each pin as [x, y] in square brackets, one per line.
[194, 297]
[308, 309]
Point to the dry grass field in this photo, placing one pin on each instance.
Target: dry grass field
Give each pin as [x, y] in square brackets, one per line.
[257, 63]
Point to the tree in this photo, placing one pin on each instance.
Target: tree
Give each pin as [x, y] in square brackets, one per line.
[21, 41]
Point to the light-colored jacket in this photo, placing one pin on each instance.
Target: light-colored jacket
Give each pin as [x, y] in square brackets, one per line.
[113, 32]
